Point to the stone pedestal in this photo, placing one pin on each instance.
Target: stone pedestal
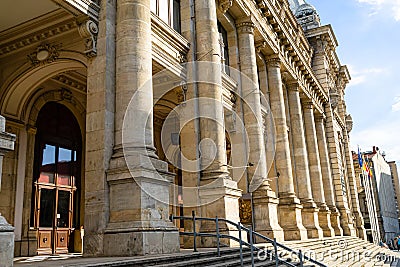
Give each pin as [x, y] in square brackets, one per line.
[6, 243]
[6, 230]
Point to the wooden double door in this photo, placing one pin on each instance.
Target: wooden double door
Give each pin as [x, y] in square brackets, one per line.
[55, 190]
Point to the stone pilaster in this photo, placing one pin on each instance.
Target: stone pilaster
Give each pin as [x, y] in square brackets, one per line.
[332, 225]
[289, 205]
[315, 165]
[99, 132]
[218, 193]
[340, 196]
[310, 210]
[138, 181]
[7, 142]
[264, 199]
[361, 233]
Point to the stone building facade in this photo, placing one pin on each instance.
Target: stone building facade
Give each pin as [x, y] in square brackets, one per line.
[83, 88]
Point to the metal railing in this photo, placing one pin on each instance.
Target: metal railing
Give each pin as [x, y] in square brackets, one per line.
[251, 234]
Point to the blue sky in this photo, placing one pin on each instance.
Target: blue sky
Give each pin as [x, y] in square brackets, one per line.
[368, 32]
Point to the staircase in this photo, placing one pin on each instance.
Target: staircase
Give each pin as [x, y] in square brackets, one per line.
[341, 252]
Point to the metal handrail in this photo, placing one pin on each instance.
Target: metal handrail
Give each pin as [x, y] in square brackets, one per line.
[241, 242]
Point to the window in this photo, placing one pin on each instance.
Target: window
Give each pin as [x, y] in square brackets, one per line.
[223, 41]
[169, 11]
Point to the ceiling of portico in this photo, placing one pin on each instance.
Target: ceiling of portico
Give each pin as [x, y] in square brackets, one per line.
[14, 12]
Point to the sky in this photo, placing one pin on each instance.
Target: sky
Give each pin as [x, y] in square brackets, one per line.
[368, 32]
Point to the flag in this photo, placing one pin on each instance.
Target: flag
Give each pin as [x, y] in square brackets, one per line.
[360, 161]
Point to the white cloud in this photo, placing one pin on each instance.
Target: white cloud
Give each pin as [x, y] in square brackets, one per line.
[359, 76]
[379, 6]
[396, 105]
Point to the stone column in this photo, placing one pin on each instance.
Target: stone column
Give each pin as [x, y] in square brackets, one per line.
[289, 205]
[219, 194]
[361, 233]
[264, 199]
[315, 165]
[310, 210]
[333, 222]
[6, 230]
[138, 181]
[341, 198]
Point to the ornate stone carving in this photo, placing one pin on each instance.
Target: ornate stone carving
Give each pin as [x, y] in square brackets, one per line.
[44, 54]
[89, 31]
[260, 46]
[224, 5]
[245, 211]
[245, 27]
[349, 123]
[334, 98]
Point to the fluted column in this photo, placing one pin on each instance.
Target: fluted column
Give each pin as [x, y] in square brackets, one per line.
[264, 199]
[310, 210]
[139, 183]
[332, 225]
[289, 205]
[315, 167]
[219, 194]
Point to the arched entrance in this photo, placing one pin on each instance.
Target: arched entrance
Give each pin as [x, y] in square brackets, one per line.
[56, 183]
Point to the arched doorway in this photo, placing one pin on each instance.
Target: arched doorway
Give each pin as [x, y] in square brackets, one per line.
[56, 183]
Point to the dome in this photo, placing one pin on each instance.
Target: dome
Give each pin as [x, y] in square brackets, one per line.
[305, 10]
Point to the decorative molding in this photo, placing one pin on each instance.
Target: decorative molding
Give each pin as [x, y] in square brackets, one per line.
[224, 5]
[293, 86]
[36, 32]
[77, 8]
[89, 30]
[44, 54]
[245, 27]
[69, 81]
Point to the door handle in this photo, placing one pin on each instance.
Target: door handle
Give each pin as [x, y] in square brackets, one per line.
[44, 239]
[62, 239]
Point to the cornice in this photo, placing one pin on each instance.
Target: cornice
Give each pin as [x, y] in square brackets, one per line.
[36, 31]
[89, 8]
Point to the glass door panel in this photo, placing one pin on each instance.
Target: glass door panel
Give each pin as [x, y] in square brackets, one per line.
[47, 167]
[63, 209]
[46, 210]
[64, 166]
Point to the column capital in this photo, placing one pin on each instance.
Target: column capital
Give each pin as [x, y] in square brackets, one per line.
[274, 61]
[320, 117]
[245, 27]
[260, 45]
[307, 103]
[293, 86]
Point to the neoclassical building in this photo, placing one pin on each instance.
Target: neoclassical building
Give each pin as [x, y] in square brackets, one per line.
[126, 111]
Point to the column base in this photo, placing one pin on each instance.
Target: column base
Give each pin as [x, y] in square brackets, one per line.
[324, 217]
[361, 232]
[265, 212]
[290, 219]
[220, 197]
[346, 223]
[6, 243]
[310, 220]
[335, 221]
[139, 208]
[133, 242]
